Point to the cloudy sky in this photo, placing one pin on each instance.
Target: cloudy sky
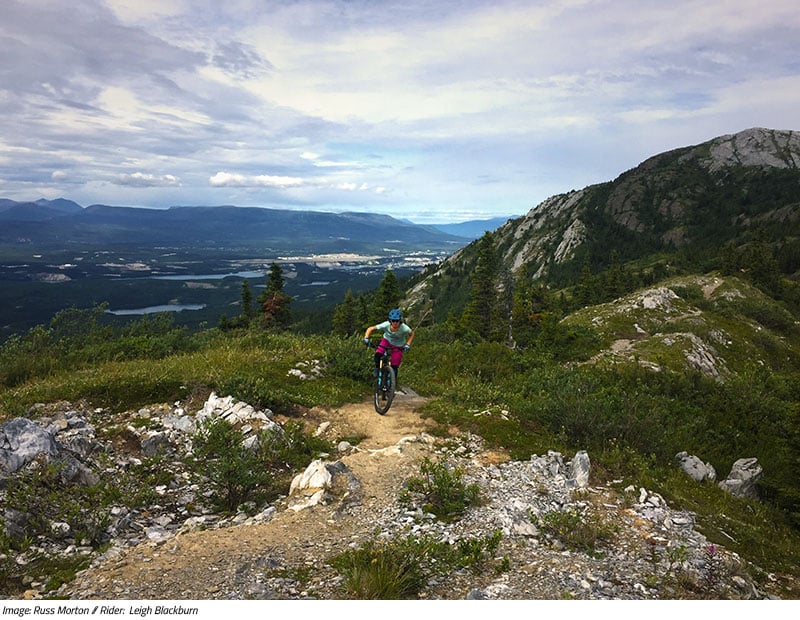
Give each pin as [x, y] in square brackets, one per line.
[433, 110]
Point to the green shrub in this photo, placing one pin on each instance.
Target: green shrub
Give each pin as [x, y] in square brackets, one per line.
[441, 490]
[382, 571]
[238, 473]
[292, 450]
[348, 357]
[235, 471]
[257, 390]
[581, 531]
[401, 568]
[40, 491]
[80, 338]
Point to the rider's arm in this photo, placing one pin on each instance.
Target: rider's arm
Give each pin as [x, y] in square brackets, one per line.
[370, 329]
[410, 337]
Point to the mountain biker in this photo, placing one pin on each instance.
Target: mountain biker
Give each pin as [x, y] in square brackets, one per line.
[396, 335]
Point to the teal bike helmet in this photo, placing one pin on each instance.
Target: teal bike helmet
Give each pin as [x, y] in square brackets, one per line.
[395, 315]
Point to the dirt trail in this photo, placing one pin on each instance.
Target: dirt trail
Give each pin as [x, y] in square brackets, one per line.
[221, 563]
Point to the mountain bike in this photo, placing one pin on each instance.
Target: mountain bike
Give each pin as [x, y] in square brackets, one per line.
[385, 381]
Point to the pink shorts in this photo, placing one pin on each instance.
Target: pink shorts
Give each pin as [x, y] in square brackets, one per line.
[397, 352]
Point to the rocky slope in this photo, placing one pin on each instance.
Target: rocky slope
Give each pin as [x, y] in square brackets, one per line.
[178, 549]
[712, 324]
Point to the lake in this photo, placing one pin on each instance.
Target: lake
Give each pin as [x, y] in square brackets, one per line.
[154, 309]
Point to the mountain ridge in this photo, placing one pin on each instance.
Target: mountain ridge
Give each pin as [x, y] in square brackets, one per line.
[47, 223]
[693, 199]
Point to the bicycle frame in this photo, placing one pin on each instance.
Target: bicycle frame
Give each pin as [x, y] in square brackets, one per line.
[385, 382]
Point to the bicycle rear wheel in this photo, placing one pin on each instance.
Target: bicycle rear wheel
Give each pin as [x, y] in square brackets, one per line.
[384, 389]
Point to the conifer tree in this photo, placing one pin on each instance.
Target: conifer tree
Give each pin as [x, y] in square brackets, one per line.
[362, 312]
[532, 304]
[274, 302]
[506, 304]
[481, 314]
[616, 279]
[729, 259]
[586, 289]
[344, 316]
[386, 297]
[247, 301]
[761, 266]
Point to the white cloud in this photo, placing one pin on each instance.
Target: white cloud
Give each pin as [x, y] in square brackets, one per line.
[227, 179]
[136, 11]
[141, 179]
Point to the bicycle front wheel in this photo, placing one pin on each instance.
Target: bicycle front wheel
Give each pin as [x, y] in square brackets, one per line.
[384, 389]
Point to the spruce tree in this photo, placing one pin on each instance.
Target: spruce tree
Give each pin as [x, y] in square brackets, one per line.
[761, 266]
[586, 292]
[481, 315]
[344, 316]
[274, 302]
[386, 297]
[247, 301]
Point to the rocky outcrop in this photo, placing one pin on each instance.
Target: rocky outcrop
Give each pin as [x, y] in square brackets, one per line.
[23, 442]
[743, 478]
[695, 468]
[323, 482]
[65, 436]
[741, 482]
[757, 148]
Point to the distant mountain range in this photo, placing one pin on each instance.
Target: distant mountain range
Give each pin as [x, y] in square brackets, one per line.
[60, 223]
[473, 229]
[37, 211]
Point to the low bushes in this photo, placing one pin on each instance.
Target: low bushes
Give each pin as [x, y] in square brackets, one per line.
[401, 568]
[441, 490]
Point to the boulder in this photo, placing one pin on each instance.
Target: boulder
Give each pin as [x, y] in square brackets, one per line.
[322, 482]
[22, 441]
[695, 468]
[15, 523]
[73, 471]
[157, 443]
[743, 478]
[579, 470]
[235, 412]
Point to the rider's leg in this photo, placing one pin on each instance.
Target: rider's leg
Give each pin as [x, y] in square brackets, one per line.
[397, 358]
[379, 353]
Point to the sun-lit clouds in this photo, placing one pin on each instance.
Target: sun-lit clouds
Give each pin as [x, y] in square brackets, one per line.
[136, 11]
[124, 106]
[437, 109]
[227, 179]
[142, 179]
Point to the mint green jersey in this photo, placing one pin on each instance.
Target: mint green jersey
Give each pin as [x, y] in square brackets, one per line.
[398, 338]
